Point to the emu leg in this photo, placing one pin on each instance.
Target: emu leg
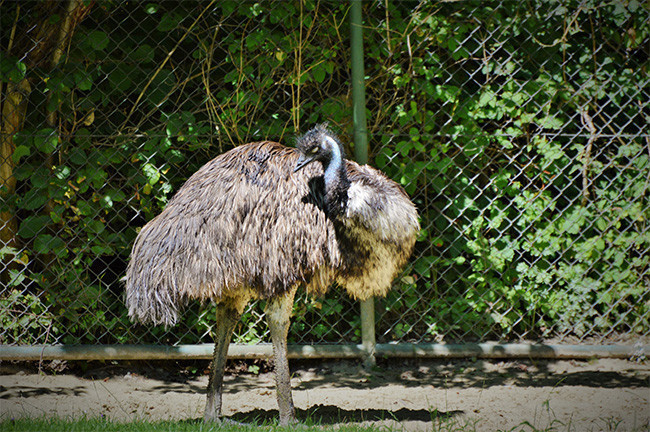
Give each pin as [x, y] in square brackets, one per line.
[227, 317]
[278, 314]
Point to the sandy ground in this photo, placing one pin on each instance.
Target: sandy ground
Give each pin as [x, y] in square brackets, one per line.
[599, 395]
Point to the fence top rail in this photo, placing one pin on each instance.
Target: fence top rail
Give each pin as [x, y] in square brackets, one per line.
[487, 350]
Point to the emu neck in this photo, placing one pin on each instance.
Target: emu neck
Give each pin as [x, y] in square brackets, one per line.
[336, 181]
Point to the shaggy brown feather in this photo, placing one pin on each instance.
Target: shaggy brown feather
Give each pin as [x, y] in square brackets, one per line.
[245, 225]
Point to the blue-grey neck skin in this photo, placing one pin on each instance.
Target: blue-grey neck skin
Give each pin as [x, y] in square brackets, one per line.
[336, 179]
[332, 170]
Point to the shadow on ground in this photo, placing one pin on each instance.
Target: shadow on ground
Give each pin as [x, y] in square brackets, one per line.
[27, 391]
[465, 374]
[329, 415]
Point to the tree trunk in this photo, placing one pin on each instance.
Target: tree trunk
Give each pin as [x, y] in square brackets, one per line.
[39, 43]
[14, 109]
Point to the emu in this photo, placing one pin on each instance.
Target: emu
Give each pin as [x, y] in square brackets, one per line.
[260, 221]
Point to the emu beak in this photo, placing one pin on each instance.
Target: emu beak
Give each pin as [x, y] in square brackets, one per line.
[302, 162]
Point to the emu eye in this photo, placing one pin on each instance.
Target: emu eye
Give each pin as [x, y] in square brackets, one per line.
[314, 150]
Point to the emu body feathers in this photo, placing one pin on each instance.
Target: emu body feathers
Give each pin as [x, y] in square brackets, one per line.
[246, 226]
[258, 222]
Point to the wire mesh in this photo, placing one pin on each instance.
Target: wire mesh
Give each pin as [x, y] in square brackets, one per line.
[519, 129]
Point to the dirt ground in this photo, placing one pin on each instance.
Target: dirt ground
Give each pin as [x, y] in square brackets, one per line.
[408, 395]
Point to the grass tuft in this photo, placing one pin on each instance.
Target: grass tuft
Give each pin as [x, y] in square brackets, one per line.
[438, 424]
[103, 425]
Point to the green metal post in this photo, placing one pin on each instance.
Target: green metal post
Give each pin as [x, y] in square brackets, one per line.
[361, 155]
[358, 84]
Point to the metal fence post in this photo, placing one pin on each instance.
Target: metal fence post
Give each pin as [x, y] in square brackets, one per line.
[361, 156]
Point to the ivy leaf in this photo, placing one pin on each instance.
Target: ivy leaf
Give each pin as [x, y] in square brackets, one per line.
[46, 243]
[169, 21]
[84, 208]
[17, 73]
[46, 140]
[161, 85]
[575, 220]
[95, 226]
[84, 80]
[550, 122]
[151, 173]
[120, 78]
[32, 225]
[116, 195]
[98, 40]
[144, 53]
[34, 199]
[151, 8]
[62, 172]
[77, 156]
[102, 250]
[319, 74]
[20, 151]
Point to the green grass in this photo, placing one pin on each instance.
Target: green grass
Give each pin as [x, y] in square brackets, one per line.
[437, 425]
[100, 425]
[103, 425]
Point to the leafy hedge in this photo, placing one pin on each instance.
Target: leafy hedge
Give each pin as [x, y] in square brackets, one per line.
[534, 224]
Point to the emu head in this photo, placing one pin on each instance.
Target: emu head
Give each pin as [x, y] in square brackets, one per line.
[319, 144]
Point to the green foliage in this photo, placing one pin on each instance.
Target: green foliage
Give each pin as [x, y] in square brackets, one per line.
[329, 319]
[11, 68]
[474, 108]
[24, 316]
[527, 252]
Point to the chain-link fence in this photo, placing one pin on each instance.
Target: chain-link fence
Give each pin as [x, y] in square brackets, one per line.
[519, 129]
